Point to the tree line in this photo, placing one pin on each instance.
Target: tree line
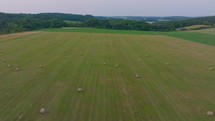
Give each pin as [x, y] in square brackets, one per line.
[10, 23]
[122, 24]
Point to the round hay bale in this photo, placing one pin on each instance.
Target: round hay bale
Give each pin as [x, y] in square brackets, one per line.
[40, 66]
[17, 69]
[139, 60]
[80, 90]
[9, 65]
[3, 60]
[210, 113]
[137, 76]
[116, 65]
[104, 63]
[211, 69]
[42, 111]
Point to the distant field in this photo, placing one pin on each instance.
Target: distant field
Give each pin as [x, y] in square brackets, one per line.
[207, 31]
[195, 27]
[102, 31]
[191, 36]
[158, 78]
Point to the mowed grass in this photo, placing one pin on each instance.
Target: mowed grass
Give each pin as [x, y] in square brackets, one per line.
[101, 31]
[206, 31]
[206, 36]
[203, 38]
[175, 81]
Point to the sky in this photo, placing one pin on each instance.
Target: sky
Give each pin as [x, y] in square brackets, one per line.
[113, 7]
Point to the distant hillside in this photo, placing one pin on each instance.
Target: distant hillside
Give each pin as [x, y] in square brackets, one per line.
[206, 20]
[210, 20]
[147, 18]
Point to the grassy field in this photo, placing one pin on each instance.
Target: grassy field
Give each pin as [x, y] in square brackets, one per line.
[207, 31]
[101, 31]
[176, 79]
[206, 36]
[195, 27]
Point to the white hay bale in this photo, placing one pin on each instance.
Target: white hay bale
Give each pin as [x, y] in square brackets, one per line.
[139, 60]
[9, 65]
[80, 90]
[42, 110]
[211, 69]
[17, 69]
[210, 113]
[3, 60]
[137, 76]
[116, 65]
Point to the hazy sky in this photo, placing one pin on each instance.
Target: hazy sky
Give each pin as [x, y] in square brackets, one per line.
[113, 7]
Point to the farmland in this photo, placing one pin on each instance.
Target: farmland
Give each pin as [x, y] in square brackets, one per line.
[175, 82]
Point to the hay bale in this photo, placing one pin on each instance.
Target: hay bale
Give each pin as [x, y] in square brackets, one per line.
[42, 111]
[3, 60]
[166, 63]
[139, 60]
[80, 90]
[17, 69]
[137, 76]
[116, 65]
[211, 69]
[210, 113]
[104, 63]
[9, 65]
[40, 66]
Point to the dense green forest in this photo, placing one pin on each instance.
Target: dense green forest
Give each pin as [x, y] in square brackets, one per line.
[10, 23]
[122, 24]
